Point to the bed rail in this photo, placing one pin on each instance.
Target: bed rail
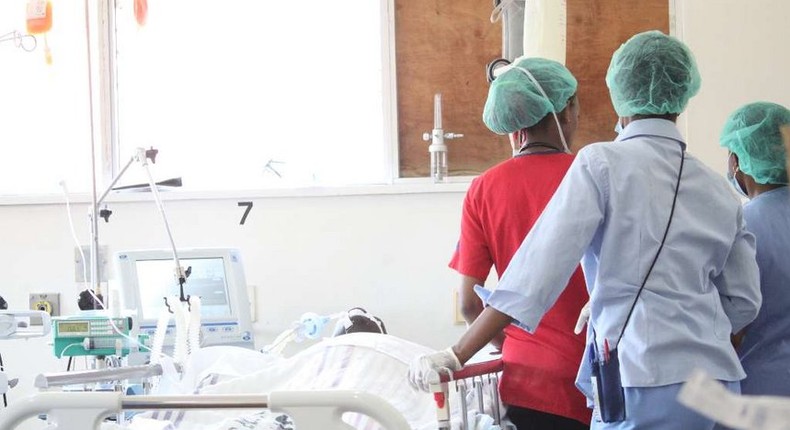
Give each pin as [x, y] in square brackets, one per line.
[481, 377]
[308, 409]
[110, 374]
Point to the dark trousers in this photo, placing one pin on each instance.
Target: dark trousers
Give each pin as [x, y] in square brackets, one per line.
[529, 419]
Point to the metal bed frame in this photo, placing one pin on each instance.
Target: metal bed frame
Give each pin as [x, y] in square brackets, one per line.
[308, 409]
[480, 377]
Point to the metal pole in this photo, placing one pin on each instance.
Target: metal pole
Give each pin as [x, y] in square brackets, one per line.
[102, 375]
[96, 279]
[464, 409]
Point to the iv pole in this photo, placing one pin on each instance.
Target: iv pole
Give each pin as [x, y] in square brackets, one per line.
[92, 215]
[142, 156]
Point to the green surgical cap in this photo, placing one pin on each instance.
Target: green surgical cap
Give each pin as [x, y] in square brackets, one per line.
[652, 74]
[753, 134]
[515, 103]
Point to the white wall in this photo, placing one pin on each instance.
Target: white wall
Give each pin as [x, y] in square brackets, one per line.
[387, 253]
[742, 51]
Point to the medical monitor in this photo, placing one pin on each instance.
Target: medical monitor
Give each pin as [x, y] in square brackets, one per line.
[216, 275]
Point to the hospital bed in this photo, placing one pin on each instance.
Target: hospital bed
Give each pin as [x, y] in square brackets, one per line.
[319, 409]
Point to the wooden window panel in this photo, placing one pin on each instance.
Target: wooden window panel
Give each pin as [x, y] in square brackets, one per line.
[444, 45]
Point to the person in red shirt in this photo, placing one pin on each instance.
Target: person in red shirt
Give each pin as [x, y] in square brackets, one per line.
[534, 103]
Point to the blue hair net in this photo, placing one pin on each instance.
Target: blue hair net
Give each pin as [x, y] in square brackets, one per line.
[515, 103]
[753, 133]
[652, 74]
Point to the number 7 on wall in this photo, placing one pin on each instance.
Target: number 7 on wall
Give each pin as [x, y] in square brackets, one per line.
[246, 211]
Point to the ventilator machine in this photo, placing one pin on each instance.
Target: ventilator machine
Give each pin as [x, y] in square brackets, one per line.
[216, 275]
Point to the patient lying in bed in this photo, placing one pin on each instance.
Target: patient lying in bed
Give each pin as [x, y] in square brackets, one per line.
[373, 363]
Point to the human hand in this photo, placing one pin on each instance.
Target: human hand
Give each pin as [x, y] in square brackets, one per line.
[584, 316]
[423, 367]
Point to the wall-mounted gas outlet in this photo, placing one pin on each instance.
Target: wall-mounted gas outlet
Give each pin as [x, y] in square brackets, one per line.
[47, 302]
[81, 270]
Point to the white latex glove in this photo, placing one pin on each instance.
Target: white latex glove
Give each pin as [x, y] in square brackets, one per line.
[584, 316]
[422, 367]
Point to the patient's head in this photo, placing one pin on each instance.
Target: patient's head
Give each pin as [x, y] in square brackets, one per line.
[358, 320]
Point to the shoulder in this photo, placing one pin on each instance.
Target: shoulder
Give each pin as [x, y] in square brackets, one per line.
[524, 166]
[751, 215]
[766, 206]
[600, 152]
[596, 158]
[716, 183]
[489, 177]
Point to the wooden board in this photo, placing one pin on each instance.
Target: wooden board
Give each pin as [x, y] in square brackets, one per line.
[444, 45]
[596, 28]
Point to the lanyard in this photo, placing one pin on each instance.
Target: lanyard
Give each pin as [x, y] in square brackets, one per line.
[663, 240]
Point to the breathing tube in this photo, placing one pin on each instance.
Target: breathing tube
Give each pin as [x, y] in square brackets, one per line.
[187, 328]
[309, 326]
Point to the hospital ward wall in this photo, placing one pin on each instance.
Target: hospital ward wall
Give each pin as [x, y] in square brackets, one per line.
[742, 52]
[385, 252]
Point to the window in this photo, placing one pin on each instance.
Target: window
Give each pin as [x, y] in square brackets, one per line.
[44, 115]
[246, 94]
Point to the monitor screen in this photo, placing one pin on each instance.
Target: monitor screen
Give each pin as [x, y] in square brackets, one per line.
[146, 276]
[156, 279]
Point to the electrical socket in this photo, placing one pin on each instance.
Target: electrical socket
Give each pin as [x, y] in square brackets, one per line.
[81, 269]
[47, 302]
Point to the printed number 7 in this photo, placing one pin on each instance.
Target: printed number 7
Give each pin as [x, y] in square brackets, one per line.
[246, 211]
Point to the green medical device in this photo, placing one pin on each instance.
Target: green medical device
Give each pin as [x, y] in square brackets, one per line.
[77, 336]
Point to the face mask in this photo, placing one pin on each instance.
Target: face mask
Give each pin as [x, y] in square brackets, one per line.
[737, 185]
[618, 128]
[543, 93]
[734, 181]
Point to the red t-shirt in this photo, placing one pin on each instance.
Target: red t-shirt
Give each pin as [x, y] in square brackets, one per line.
[499, 209]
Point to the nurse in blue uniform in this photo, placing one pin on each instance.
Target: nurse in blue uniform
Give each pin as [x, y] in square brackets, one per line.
[757, 169]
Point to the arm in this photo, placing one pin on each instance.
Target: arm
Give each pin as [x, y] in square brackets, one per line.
[739, 281]
[472, 306]
[486, 327]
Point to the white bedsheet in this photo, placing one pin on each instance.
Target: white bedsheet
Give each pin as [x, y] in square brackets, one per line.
[373, 363]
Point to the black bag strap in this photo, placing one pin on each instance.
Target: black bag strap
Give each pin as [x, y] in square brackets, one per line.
[663, 240]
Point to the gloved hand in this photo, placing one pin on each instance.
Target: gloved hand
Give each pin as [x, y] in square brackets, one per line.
[584, 316]
[423, 366]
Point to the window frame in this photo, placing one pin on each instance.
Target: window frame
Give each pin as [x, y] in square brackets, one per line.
[112, 160]
[109, 160]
